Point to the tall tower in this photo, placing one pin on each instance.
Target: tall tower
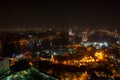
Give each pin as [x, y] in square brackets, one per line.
[71, 35]
[70, 32]
[84, 36]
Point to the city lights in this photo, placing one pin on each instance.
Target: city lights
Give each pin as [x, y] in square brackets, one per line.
[99, 55]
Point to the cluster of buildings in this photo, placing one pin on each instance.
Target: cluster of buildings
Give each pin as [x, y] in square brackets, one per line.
[77, 47]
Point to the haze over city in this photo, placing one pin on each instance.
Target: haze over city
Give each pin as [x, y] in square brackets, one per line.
[59, 13]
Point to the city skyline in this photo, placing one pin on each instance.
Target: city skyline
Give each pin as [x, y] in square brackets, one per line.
[59, 40]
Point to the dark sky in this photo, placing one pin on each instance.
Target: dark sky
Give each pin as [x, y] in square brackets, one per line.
[58, 12]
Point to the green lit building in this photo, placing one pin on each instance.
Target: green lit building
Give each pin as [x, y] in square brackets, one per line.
[4, 65]
[30, 74]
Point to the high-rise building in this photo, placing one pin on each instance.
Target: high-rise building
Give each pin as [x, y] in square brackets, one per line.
[84, 36]
[71, 35]
[70, 32]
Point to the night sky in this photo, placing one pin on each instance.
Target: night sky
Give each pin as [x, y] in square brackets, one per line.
[58, 12]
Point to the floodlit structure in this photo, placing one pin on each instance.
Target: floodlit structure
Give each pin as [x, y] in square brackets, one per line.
[70, 32]
[99, 55]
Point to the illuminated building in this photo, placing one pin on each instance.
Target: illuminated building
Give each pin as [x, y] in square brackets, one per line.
[84, 36]
[71, 35]
[70, 32]
[99, 55]
[52, 58]
[30, 74]
[116, 34]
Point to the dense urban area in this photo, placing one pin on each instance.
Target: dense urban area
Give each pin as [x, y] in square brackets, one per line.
[49, 54]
